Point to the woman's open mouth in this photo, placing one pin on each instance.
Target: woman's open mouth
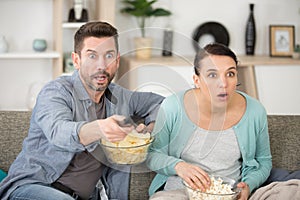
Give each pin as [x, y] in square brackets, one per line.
[223, 96]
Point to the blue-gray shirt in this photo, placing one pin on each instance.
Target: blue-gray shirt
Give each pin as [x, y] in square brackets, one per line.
[62, 107]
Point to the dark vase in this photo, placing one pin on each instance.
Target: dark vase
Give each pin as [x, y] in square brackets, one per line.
[84, 17]
[250, 33]
[167, 42]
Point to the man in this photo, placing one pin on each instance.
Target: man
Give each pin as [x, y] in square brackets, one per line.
[60, 156]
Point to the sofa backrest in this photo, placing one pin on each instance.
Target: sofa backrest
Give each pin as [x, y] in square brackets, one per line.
[284, 133]
[14, 127]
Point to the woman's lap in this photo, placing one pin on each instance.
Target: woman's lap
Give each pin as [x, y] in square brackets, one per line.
[170, 195]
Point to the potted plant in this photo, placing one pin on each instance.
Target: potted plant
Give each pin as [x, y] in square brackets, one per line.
[143, 10]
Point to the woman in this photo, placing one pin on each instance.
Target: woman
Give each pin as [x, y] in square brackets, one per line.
[211, 129]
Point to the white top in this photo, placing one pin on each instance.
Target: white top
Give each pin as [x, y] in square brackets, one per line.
[216, 152]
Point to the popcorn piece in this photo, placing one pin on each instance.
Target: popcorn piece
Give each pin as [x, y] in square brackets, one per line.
[215, 192]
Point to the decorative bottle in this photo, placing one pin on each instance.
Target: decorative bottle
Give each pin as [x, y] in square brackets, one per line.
[3, 44]
[167, 42]
[78, 13]
[250, 33]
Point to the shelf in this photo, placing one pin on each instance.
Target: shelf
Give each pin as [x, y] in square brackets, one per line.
[30, 55]
[104, 10]
[244, 60]
[266, 60]
[246, 67]
[72, 25]
[67, 74]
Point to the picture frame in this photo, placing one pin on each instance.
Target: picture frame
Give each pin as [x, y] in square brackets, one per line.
[282, 40]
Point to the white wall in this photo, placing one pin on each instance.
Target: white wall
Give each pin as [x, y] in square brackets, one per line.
[23, 20]
[278, 88]
[233, 14]
[276, 84]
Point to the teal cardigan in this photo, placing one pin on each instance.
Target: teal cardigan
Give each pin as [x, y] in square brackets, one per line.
[173, 129]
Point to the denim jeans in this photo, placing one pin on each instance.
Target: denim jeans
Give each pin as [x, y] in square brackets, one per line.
[38, 192]
[46, 192]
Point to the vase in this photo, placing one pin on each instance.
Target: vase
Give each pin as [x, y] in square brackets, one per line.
[167, 42]
[78, 13]
[39, 45]
[250, 32]
[3, 44]
[143, 47]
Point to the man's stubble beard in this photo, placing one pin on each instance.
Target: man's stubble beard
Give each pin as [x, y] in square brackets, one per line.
[102, 88]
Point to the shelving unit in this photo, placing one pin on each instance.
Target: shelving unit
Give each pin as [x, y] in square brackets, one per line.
[30, 55]
[61, 40]
[71, 25]
[104, 10]
[132, 71]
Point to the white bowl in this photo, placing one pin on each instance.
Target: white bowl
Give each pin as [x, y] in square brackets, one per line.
[218, 195]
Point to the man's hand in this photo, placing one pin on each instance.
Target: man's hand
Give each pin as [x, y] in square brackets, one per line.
[193, 175]
[108, 129]
[142, 128]
[111, 130]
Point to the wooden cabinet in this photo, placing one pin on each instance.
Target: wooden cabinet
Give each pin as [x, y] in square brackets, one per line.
[63, 31]
[166, 75]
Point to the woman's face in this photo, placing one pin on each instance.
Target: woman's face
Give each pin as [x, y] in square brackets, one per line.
[217, 80]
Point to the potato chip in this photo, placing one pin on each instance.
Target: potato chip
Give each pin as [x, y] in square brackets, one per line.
[132, 150]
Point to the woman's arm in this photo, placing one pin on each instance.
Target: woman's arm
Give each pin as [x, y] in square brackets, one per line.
[257, 169]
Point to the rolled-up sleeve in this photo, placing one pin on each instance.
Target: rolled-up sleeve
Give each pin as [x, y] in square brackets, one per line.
[146, 105]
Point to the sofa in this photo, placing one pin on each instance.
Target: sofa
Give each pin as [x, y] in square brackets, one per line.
[284, 133]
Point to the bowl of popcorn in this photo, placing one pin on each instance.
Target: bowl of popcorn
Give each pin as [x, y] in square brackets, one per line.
[221, 188]
[132, 150]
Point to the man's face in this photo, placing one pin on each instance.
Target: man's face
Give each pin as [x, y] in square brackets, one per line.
[98, 63]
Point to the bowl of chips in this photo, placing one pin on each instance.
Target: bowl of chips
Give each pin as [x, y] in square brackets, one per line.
[221, 188]
[130, 151]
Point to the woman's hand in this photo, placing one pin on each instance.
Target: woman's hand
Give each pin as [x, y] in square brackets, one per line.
[193, 175]
[245, 191]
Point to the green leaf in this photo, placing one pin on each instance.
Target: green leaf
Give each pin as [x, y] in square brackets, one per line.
[160, 12]
[143, 9]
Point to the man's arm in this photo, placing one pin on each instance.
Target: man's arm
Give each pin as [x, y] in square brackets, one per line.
[107, 129]
[145, 105]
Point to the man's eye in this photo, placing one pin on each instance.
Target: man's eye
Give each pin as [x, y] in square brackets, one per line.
[92, 56]
[212, 75]
[109, 55]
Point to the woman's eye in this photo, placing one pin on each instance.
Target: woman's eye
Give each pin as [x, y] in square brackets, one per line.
[231, 74]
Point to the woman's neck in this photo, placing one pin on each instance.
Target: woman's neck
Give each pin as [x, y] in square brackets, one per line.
[201, 111]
